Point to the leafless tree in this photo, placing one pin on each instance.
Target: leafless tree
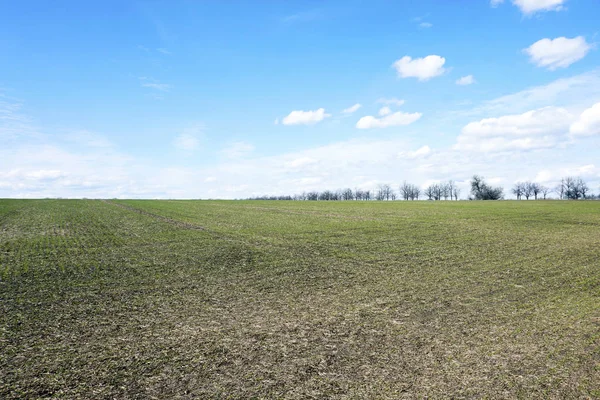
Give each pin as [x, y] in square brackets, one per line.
[446, 190]
[347, 194]
[536, 188]
[456, 192]
[572, 188]
[527, 190]
[405, 190]
[544, 190]
[482, 191]
[517, 190]
[416, 192]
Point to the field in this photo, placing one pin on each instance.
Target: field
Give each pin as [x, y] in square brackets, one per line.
[241, 299]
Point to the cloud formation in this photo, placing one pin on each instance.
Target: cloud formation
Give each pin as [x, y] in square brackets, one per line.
[535, 129]
[300, 117]
[237, 150]
[530, 7]
[465, 80]
[421, 68]
[557, 53]
[588, 123]
[398, 118]
[351, 109]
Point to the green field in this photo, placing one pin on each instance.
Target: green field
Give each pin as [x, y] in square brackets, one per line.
[242, 299]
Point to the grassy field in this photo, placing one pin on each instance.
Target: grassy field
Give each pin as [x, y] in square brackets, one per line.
[223, 299]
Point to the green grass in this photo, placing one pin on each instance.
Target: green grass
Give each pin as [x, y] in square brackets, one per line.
[223, 299]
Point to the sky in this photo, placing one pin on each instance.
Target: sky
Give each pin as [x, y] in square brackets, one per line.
[212, 99]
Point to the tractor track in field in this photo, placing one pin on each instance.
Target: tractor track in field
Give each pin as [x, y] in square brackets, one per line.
[171, 221]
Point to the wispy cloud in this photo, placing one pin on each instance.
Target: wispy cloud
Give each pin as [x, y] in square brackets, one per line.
[154, 84]
[351, 109]
[391, 101]
[189, 139]
[237, 150]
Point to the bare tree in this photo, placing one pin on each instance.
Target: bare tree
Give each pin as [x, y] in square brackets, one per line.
[456, 192]
[347, 194]
[517, 190]
[527, 190]
[446, 190]
[405, 190]
[416, 192]
[544, 190]
[536, 188]
[482, 191]
[429, 192]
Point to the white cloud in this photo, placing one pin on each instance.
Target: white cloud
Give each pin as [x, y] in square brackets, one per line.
[398, 118]
[300, 162]
[419, 153]
[391, 101]
[577, 91]
[154, 84]
[549, 175]
[421, 68]
[352, 109]
[305, 117]
[557, 53]
[588, 123]
[163, 51]
[189, 139]
[529, 7]
[210, 179]
[425, 25]
[186, 142]
[237, 150]
[465, 80]
[541, 128]
[383, 111]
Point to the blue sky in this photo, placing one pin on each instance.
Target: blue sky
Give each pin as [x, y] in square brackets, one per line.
[188, 99]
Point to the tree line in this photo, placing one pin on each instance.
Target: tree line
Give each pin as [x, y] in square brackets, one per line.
[569, 188]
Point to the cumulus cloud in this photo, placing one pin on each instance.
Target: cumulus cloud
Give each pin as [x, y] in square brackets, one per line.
[383, 111]
[421, 68]
[557, 53]
[541, 128]
[425, 25]
[465, 80]
[529, 7]
[352, 109]
[300, 117]
[588, 123]
[398, 118]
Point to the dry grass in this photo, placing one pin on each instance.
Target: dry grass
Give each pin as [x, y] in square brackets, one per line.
[299, 300]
